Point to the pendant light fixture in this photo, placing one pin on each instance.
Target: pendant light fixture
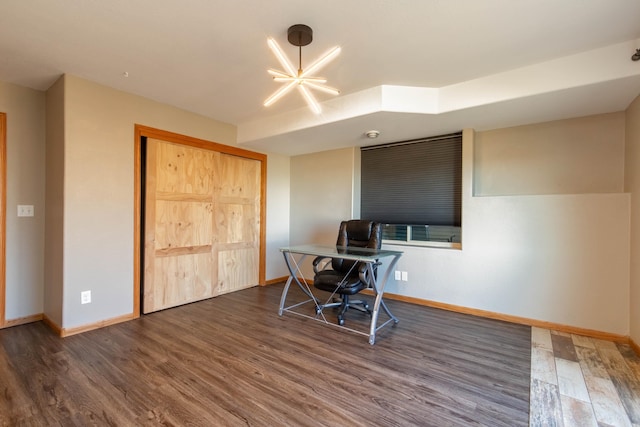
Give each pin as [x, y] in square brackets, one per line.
[300, 35]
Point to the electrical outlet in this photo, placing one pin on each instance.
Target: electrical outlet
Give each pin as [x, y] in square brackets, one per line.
[85, 297]
[405, 276]
[398, 275]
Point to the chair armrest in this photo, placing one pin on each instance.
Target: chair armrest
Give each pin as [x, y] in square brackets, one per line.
[317, 261]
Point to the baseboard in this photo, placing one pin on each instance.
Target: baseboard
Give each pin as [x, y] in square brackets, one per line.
[23, 320]
[276, 281]
[65, 332]
[51, 324]
[634, 346]
[513, 319]
[97, 325]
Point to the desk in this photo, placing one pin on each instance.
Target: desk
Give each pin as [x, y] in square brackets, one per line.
[294, 256]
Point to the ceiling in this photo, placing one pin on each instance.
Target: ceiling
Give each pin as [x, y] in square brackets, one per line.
[408, 68]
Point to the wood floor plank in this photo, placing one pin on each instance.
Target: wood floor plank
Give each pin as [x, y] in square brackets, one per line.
[543, 365]
[541, 338]
[16, 406]
[546, 409]
[577, 412]
[232, 360]
[563, 347]
[570, 380]
[581, 341]
[591, 363]
[606, 403]
[626, 383]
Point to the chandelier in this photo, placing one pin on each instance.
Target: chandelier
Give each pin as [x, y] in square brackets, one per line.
[300, 35]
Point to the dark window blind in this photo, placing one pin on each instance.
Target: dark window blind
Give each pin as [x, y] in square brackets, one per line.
[413, 182]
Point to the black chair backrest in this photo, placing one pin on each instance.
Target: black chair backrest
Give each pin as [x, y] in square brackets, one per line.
[358, 233]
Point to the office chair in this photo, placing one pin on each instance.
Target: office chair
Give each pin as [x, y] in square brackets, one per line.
[347, 277]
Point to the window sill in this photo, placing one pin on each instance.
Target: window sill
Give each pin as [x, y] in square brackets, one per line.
[423, 244]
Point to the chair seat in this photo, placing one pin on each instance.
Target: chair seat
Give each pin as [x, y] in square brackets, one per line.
[327, 280]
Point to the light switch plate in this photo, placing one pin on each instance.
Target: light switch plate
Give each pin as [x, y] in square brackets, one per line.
[25, 210]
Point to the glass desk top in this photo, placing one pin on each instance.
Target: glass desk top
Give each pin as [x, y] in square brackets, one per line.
[344, 252]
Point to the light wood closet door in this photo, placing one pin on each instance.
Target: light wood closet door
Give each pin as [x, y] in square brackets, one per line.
[236, 225]
[202, 212]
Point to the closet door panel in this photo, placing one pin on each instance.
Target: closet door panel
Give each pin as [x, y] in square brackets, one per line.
[202, 224]
[178, 262]
[237, 222]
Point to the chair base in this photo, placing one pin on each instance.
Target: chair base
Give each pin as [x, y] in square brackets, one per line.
[344, 305]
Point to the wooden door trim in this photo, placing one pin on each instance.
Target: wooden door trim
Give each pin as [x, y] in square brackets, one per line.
[149, 132]
[3, 215]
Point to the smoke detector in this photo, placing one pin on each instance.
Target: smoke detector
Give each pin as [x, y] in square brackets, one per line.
[372, 134]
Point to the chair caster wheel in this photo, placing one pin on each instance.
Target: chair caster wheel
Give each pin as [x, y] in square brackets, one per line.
[340, 321]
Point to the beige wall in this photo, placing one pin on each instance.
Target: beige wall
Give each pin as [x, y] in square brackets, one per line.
[544, 257]
[577, 156]
[322, 191]
[54, 185]
[278, 214]
[632, 185]
[25, 109]
[538, 257]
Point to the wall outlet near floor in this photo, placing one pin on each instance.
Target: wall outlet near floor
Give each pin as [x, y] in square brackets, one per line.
[401, 275]
[85, 297]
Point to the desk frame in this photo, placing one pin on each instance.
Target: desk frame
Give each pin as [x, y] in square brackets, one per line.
[369, 257]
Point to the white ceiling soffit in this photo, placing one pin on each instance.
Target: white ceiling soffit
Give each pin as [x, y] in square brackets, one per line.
[593, 82]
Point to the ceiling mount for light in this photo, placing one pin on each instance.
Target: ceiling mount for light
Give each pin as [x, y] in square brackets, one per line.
[300, 35]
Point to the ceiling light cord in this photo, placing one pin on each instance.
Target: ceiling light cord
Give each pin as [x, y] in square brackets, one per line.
[300, 53]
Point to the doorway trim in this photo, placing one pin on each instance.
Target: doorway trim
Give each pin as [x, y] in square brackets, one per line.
[3, 216]
[141, 131]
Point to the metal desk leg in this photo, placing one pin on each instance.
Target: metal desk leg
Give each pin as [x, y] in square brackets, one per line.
[293, 277]
[284, 295]
[379, 291]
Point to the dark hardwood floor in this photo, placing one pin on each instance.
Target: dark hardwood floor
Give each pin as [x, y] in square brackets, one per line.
[232, 360]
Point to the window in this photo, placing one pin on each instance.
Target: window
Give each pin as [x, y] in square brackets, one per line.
[414, 188]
